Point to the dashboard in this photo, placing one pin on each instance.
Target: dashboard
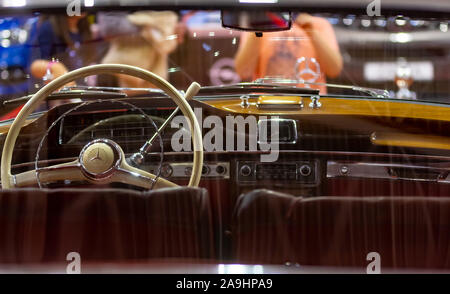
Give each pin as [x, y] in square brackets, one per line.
[317, 156]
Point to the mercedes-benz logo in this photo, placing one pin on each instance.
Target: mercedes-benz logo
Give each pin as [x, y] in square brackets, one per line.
[306, 73]
[222, 72]
[97, 156]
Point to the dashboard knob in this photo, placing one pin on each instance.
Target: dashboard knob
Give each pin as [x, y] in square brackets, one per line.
[188, 171]
[220, 169]
[205, 170]
[305, 170]
[245, 170]
[166, 171]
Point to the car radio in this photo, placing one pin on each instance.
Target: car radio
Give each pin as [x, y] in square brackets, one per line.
[297, 172]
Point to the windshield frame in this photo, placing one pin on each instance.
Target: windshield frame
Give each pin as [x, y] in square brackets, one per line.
[436, 9]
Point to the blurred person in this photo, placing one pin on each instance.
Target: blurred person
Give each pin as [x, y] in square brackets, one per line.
[143, 39]
[276, 54]
[60, 46]
[57, 48]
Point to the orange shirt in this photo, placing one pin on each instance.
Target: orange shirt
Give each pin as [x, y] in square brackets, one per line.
[286, 54]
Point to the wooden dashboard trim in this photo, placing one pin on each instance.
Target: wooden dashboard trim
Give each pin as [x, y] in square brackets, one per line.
[410, 140]
[344, 106]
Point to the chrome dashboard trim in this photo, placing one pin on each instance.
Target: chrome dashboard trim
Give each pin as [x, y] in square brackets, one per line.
[294, 129]
[373, 170]
[315, 152]
[180, 170]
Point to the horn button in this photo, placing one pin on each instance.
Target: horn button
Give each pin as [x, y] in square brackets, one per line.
[98, 159]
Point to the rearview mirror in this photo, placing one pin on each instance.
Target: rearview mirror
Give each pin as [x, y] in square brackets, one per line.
[257, 21]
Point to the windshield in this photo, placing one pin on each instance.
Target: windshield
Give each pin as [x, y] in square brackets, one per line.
[407, 57]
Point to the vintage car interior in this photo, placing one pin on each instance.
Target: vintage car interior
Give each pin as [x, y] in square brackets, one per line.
[208, 168]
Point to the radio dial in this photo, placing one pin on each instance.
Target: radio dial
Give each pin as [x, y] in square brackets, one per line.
[245, 170]
[205, 170]
[305, 170]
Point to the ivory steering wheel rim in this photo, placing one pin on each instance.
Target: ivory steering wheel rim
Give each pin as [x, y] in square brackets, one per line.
[8, 180]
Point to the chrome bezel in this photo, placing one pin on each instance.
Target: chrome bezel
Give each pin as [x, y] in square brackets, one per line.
[294, 129]
[108, 173]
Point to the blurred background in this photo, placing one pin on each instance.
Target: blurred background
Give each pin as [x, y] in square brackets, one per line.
[379, 52]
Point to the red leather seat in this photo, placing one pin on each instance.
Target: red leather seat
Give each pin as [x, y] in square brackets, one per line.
[407, 232]
[104, 225]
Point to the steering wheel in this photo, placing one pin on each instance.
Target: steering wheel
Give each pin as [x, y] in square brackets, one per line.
[101, 161]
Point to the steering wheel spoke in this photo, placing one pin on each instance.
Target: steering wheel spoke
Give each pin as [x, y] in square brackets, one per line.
[60, 172]
[138, 177]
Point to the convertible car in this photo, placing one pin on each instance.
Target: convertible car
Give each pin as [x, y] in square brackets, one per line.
[202, 170]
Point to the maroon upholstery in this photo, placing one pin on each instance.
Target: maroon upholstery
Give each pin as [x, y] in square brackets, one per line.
[408, 232]
[104, 225]
[259, 230]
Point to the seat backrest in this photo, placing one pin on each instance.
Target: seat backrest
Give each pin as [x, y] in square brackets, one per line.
[259, 229]
[407, 232]
[104, 225]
